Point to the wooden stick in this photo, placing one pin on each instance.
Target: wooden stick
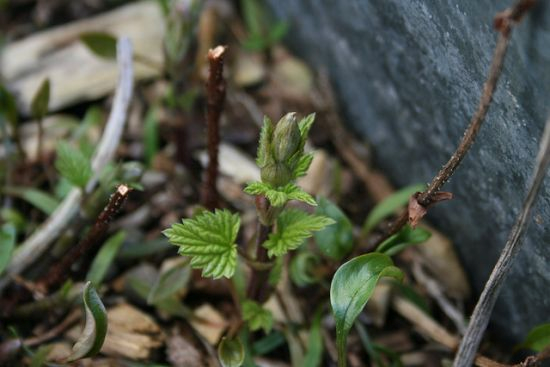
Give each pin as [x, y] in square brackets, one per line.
[215, 88]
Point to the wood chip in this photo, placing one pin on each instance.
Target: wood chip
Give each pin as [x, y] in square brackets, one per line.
[214, 329]
[75, 73]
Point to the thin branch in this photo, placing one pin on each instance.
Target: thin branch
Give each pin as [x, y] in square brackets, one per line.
[215, 89]
[487, 300]
[60, 272]
[504, 23]
[258, 288]
[34, 246]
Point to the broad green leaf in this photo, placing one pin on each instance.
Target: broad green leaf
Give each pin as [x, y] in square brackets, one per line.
[38, 198]
[41, 100]
[538, 338]
[209, 239]
[351, 288]
[169, 282]
[72, 164]
[335, 241]
[293, 227]
[231, 352]
[279, 196]
[257, 316]
[389, 206]
[300, 268]
[7, 244]
[150, 135]
[93, 335]
[265, 142]
[104, 258]
[314, 351]
[406, 237]
[100, 43]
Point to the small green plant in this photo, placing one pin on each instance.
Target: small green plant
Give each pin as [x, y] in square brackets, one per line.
[209, 239]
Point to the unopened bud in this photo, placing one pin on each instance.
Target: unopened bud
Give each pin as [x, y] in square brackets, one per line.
[276, 174]
[286, 138]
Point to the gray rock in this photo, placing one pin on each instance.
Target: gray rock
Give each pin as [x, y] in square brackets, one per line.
[408, 75]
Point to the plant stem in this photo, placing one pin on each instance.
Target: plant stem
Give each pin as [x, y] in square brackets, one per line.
[258, 289]
[487, 300]
[215, 89]
[59, 272]
[504, 22]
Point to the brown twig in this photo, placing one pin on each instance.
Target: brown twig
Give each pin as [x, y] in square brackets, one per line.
[258, 289]
[504, 23]
[60, 271]
[215, 90]
[487, 300]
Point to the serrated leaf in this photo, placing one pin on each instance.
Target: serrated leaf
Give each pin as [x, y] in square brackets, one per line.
[279, 196]
[406, 237]
[38, 198]
[105, 257]
[257, 316]
[389, 206]
[169, 282]
[7, 244]
[293, 227]
[93, 335]
[41, 100]
[264, 144]
[351, 287]
[303, 165]
[100, 43]
[209, 239]
[231, 352]
[72, 164]
[336, 240]
[305, 125]
[538, 338]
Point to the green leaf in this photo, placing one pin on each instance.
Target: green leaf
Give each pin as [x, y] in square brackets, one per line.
[257, 316]
[389, 206]
[169, 282]
[404, 238]
[268, 343]
[303, 165]
[40, 101]
[335, 241]
[300, 268]
[231, 352]
[7, 244]
[279, 196]
[8, 107]
[100, 43]
[314, 351]
[265, 142]
[72, 164]
[305, 125]
[538, 338]
[351, 288]
[93, 335]
[277, 32]
[39, 358]
[209, 239]
[38, 198]
[104, 258]
[293, 227]
[151, 135]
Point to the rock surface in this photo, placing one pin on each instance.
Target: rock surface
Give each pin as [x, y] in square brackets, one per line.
[408, 75]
